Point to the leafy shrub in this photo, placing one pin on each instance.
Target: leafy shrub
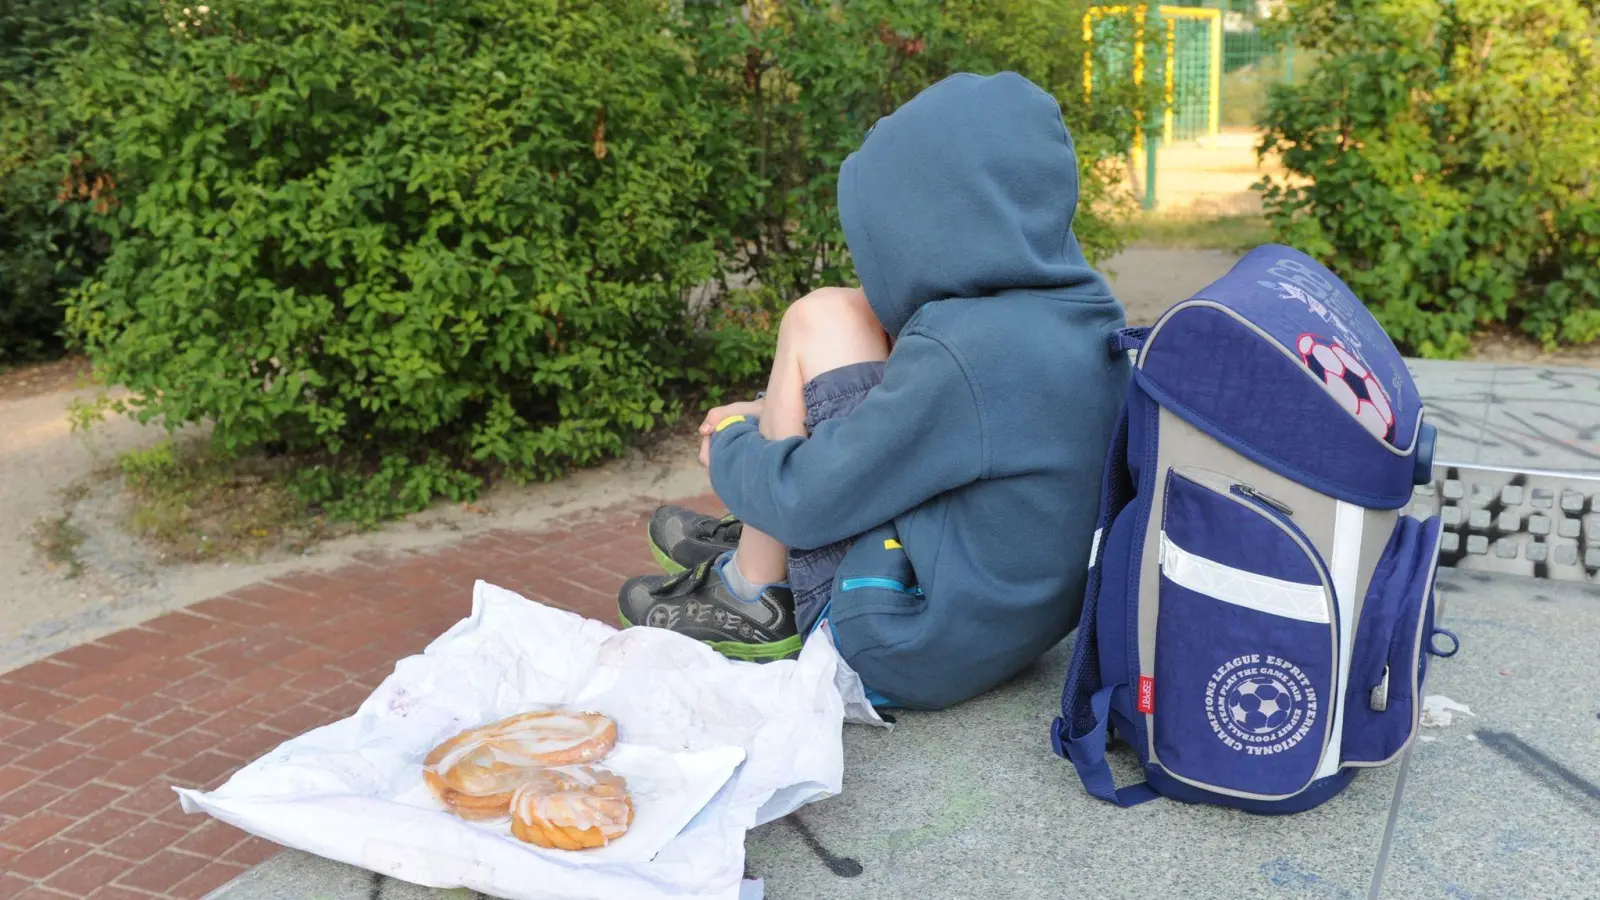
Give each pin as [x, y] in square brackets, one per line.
[45, 246]
[1441, 158]
[796, 85]
[417, 244]
[418, 241]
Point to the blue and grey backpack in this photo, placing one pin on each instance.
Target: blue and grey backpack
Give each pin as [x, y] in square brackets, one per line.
[1259, 613]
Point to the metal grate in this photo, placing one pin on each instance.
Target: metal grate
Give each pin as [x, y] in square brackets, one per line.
[1543, 524]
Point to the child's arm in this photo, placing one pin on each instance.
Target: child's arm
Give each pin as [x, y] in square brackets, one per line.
[915, 436]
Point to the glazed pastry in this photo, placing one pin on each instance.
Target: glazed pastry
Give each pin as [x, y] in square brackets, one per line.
[475, 773]
[576, 808]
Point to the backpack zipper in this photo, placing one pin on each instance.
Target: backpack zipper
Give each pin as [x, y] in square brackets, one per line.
[1250, 493]
[1281, 511]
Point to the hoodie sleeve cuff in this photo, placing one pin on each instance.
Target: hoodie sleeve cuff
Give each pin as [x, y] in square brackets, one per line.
[731, 428]
[725, 439]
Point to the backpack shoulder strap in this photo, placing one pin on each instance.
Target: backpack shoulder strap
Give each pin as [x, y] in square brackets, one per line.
[1080, 734]
[1087, 753]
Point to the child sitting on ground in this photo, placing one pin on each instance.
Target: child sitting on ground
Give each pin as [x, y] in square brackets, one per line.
[923, 471]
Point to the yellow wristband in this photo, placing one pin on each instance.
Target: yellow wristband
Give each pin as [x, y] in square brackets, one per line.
[731, 420]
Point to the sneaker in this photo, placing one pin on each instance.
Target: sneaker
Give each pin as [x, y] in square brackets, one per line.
[697, 603]
[683, 539]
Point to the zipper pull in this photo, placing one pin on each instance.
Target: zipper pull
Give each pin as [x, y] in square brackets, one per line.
[1248, 491]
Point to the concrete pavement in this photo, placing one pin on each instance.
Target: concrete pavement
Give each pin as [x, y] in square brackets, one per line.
[1501, 802]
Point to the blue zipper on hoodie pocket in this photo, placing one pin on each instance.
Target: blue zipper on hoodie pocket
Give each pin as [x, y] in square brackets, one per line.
[882, 584]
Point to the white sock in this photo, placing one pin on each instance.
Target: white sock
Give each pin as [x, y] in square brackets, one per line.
[742, 587]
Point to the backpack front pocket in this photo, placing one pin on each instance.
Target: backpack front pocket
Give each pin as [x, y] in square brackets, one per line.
[1382, 706]
[1246, 644]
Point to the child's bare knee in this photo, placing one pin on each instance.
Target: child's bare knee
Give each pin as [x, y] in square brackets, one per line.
[832, 311]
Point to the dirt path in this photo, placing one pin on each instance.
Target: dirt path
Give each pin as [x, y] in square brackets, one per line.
[47, 472]
[40, 459]
[1149, 279]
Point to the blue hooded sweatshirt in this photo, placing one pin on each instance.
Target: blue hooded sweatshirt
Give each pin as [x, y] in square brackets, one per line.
[971, 475]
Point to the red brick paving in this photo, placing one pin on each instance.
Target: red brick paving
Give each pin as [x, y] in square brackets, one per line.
[93, 739]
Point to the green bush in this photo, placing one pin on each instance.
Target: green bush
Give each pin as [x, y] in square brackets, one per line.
[46, 247]
[1043, 40]
[1441, 159]
[797, 84]
[417, 242]
[794, 87]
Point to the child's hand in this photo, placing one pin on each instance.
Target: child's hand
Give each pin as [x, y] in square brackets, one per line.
[716, 417]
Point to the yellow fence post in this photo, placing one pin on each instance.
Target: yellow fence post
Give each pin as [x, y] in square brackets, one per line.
[1172, 54]
[1088, 54]
[1214, 116]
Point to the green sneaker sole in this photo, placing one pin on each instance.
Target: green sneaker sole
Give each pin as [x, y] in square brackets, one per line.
[747, 652]
[668, 564]
[663, 560]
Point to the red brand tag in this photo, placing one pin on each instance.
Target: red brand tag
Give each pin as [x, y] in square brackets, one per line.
[1147, 694]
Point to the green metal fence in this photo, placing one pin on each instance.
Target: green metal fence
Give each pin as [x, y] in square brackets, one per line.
[1217, 64]
[1188, 63]
[1190, 55]
[1251, 60]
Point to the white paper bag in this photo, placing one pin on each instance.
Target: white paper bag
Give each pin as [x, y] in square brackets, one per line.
[710, 748]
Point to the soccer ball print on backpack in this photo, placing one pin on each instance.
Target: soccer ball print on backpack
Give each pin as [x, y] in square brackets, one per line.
[1259, 614]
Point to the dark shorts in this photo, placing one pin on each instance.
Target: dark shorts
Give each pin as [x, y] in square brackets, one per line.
[831, 395]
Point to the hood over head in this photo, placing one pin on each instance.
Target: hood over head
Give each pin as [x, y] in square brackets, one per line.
[968, 190]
